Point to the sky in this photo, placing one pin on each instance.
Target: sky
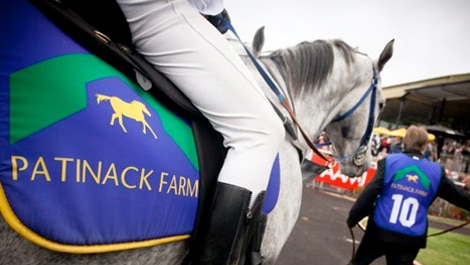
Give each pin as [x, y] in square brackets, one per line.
[432, 37]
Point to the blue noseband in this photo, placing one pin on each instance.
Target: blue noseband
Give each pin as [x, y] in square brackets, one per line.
[360, 153]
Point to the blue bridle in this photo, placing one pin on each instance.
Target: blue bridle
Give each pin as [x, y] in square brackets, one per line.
[360, 153]
[282, 99]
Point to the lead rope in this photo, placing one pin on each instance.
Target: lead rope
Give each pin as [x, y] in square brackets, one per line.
[450, 229]
[434, 234]
[326, 161]
[353, 256]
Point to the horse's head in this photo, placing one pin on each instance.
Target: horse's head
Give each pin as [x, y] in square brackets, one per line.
[351, 129]
[334, 88]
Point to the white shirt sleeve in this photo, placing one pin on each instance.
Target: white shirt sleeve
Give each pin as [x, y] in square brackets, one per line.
[208, 7]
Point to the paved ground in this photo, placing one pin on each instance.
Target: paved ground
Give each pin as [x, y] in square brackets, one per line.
[321, 235]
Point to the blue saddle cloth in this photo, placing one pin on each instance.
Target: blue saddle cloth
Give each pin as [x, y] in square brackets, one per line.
[89, 162]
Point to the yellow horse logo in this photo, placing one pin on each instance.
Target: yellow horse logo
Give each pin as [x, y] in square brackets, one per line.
[412, 178]
[134, 110]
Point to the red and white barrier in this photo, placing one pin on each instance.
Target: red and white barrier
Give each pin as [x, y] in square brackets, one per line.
[334, 177]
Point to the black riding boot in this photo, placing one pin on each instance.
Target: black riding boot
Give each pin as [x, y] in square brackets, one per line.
[225, 234]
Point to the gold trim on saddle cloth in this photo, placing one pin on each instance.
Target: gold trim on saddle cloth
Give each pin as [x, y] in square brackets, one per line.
[12, 220]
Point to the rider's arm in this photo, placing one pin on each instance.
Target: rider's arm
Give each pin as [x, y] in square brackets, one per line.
[208, 7]
[213, 11]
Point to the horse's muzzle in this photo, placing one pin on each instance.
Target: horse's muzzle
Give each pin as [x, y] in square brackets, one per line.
[359, 158]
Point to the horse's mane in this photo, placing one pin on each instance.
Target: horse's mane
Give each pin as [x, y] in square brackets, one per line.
[307, 65]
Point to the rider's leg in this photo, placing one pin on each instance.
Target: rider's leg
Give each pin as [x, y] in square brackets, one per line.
[181, 44]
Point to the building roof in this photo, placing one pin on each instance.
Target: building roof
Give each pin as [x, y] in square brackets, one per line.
[443, 100]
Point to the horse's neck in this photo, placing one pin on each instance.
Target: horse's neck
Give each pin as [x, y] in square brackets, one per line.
[310, 111]
[313, 110]
[277, 78]
[320, 106]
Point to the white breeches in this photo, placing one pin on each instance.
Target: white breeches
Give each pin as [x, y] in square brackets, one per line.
[187, 49]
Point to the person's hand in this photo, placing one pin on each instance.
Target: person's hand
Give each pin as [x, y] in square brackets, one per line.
[218, 20]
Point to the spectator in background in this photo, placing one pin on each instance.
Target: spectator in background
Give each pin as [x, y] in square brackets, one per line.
[466, 157]
[375, 144]
[428, 152]
[445, 148]
[323, 142]
[466, 150]
[397, 200]
[466, 182]
[385, 144]
[396, 146]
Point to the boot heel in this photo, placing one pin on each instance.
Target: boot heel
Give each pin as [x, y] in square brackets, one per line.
[225, 237]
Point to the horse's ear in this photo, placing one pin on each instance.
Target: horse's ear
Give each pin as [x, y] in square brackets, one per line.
[385, 55]
[258, 41]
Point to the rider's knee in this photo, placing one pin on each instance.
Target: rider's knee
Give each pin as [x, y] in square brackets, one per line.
[275, 132]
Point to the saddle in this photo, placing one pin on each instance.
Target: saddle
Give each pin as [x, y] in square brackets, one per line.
[104, 31]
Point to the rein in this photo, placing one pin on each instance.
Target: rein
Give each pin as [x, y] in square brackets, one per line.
[353, 255]
[327, 162]
[359, 156]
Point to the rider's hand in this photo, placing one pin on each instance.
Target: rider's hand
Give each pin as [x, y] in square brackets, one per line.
[218, 20]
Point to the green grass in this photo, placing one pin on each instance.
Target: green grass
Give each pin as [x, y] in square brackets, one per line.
[446, 249]
[448, 221]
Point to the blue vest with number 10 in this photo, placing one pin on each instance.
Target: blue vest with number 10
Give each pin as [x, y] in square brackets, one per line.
[410, 186]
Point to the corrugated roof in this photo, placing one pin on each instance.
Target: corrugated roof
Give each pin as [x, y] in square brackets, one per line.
[443, 100]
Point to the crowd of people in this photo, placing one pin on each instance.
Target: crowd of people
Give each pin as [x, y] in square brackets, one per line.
[453, 154]
[384, 144]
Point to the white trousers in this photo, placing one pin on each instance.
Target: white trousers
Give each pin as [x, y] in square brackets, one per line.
[187, 49]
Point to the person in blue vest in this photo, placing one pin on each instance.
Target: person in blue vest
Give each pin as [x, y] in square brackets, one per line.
[397, 201]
